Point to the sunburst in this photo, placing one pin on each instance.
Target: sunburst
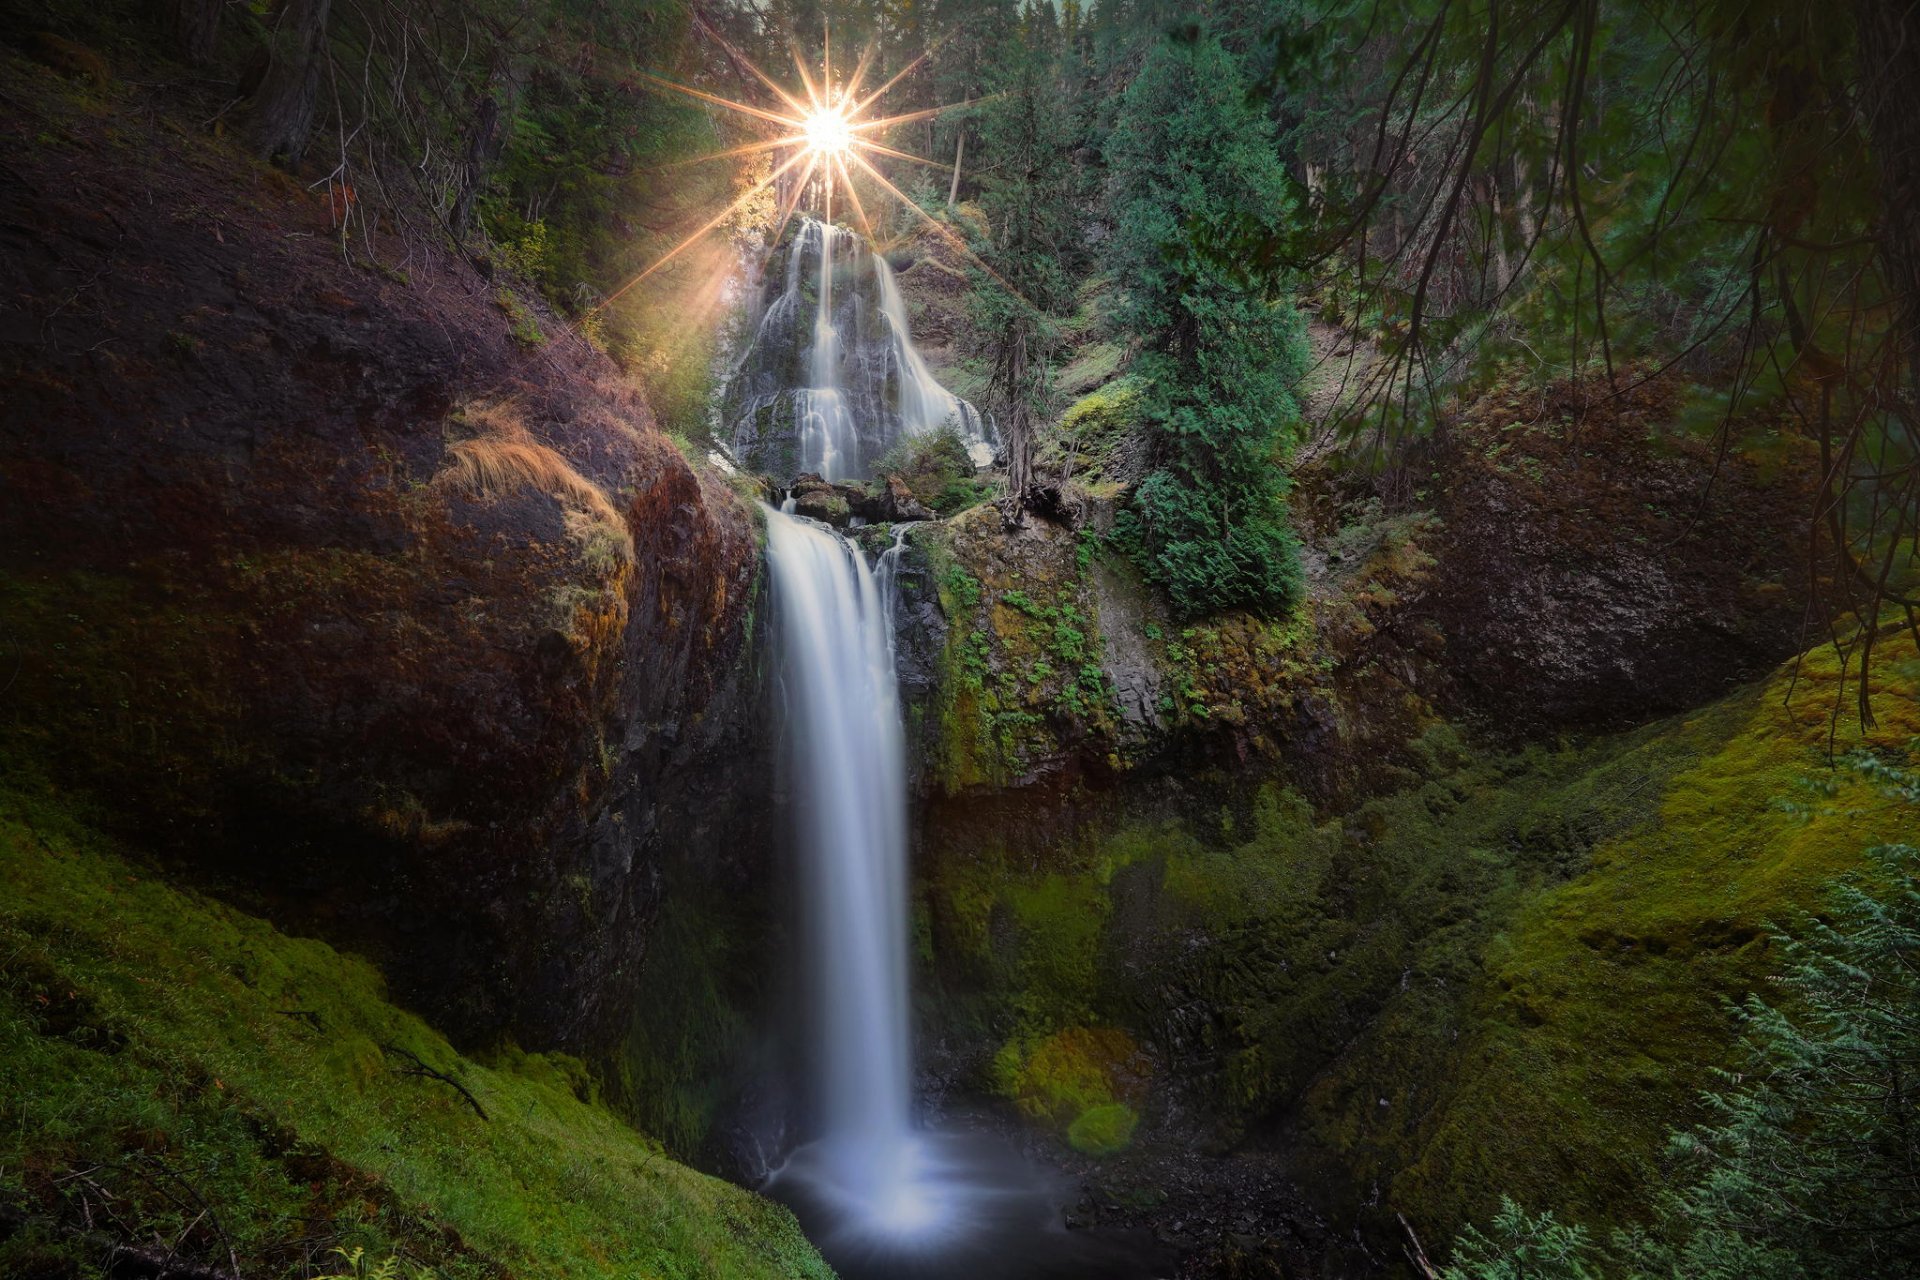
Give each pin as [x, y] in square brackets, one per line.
[829, 128]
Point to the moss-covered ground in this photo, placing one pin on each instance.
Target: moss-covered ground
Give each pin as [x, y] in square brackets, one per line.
[181, 1078]
[1508, 976]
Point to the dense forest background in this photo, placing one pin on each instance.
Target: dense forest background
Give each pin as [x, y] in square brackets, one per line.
[1207, 250]
[1581, 193]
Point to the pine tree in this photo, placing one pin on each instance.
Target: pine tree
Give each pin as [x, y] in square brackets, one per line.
[1190, 157]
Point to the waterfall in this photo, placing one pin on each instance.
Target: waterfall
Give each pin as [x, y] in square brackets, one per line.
[881, 1196]
[849, 784]
[831, 377]
[924, 405]
[829, 446]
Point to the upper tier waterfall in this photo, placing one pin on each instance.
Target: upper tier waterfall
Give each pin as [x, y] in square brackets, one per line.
[831, 378]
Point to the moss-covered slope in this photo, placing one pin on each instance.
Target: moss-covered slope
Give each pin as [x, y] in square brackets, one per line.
[180, 1077]
[1508, 976]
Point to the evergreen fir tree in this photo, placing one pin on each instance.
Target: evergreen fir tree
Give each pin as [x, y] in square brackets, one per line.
[1189, 157]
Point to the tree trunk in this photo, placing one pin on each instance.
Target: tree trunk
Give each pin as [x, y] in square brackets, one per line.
[959, 150]
[195, 25]
[483, 148]
[1013, 507]
[283, 107]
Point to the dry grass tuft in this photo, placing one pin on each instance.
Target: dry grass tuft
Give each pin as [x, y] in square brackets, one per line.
[505, 457]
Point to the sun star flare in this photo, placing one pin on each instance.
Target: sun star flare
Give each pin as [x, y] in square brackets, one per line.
[830, 131]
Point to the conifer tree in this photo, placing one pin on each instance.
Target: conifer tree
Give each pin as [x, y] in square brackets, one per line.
[1190, 156]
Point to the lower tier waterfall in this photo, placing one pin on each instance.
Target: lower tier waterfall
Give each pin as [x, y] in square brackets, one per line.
[881, 1195]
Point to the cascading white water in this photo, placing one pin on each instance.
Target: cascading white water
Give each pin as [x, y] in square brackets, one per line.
[850, 786]
[829, 446]
[866, 384]
[847, 756]
[925, 406]
[882, 1197]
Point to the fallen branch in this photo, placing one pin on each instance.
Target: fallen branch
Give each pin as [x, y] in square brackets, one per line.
[420, 1068]
[1417, 1253]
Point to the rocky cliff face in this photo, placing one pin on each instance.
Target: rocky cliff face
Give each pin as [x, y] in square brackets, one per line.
[327, 572]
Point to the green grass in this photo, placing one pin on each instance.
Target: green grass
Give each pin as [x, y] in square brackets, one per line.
[176, 1070]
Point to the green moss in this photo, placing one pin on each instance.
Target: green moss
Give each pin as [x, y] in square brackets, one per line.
[1100, 421]
[1058, 1078]
[158, 1050]
[1508, 975]
[1105, 1130]
[1599, 1012]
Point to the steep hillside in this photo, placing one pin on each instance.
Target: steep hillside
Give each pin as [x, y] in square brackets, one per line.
[193, 1092]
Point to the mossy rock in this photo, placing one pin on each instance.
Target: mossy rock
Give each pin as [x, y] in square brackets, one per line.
[1104, 1130]
[1061, 1077]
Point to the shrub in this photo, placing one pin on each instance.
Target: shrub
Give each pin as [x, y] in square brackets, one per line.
[936, 468]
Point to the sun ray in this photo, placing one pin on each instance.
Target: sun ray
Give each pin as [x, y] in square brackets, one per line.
[901, 74]
[860, 211]
[799, 189]
[938, 226]
[662, 82]
[853, 85]
[898, 155]
[746, 150]
[798, 107]
[800, 64]
[829, 131]
[910, 116]
[715, 221]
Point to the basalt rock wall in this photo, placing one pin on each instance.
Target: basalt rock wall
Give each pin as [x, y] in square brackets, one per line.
[321, 577]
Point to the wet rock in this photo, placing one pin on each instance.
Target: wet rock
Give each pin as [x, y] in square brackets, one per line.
[257, 607]
[842, 502]
[821, 500]
[895, 503]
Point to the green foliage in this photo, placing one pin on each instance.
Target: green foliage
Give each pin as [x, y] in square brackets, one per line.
[936, 468]
[1026, 194]
[1808, 1163]
[361, 1267]
[1190, 156]
[525, 325]
[1104, 1130]
[1523, 1247]
[173, 1067]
